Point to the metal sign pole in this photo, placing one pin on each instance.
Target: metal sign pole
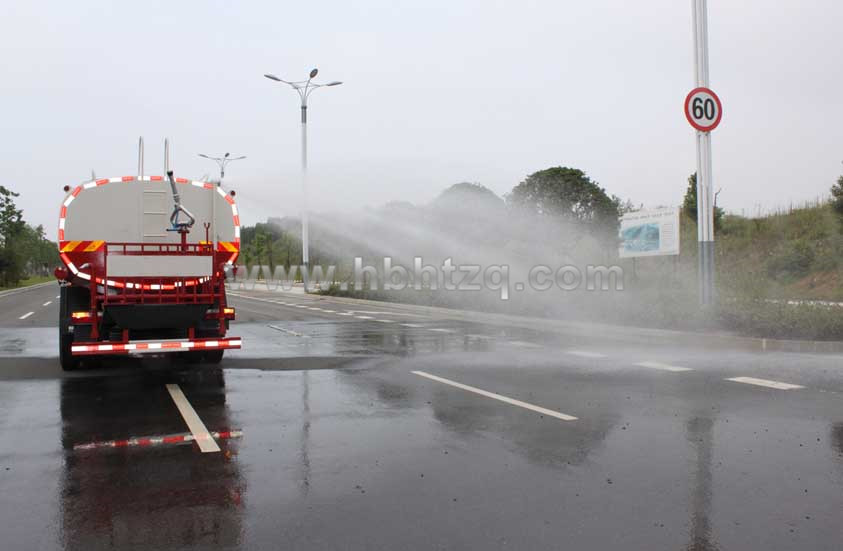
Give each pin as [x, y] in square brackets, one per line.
[705, 211]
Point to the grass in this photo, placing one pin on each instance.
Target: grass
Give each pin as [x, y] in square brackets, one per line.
[34, 280]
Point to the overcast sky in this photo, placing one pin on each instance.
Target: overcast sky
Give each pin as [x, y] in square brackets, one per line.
[434, 93]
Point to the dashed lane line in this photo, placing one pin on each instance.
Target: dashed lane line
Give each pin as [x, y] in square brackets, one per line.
[440, 330]
[49, 302]
[288, 331]
[524, 344]
[363, 317]
[23, 317]
[585, 354]
[200, 433]
[412, 325]
[492, 395]
[765, 383]
[663, 367]
[385, 321]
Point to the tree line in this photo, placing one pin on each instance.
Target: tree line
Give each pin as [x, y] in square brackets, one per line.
[25, 250]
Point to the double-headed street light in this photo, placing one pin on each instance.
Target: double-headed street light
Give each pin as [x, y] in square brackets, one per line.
[221, 162]
[304, 89]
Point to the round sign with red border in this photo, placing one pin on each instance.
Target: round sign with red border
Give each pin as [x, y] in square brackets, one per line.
[703, 109]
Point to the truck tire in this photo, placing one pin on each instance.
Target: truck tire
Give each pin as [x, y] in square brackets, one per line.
[68, 361]
[71, 298]
[213, 356]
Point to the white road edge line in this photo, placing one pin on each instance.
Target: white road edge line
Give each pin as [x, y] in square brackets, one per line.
[511, 401]
[663, 367]
[23, 317]
[765, 383]
[194, 423]
[49, 302]
[584, 354]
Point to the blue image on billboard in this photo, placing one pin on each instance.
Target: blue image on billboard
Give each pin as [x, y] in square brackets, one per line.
[641, 238]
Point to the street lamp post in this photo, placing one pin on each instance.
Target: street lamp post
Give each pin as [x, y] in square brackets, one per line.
[221, 162]
[304, 88]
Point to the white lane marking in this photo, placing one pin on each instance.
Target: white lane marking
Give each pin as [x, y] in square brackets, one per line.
[345, 314]
[440, 330]
[480, 337]
[494, 396]
[49, 302]
[663, 367]
[58, 296]
[311, 308]
[765, 382]
[383, 313]
[413, 325]
[584, 354]
[288, 331]
[329, 311]
[23, 317]
[525, 344]
[363, 317]
[194, 423]
[385, 321]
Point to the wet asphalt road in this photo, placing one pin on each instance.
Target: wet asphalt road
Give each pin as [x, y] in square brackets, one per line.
[374, 427]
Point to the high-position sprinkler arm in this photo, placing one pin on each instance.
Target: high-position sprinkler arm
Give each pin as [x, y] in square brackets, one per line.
[181, 227]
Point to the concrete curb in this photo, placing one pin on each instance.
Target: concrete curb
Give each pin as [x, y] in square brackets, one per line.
[599, 331]
[27, 288]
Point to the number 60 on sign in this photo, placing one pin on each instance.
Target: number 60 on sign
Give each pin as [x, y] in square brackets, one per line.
[703, 109]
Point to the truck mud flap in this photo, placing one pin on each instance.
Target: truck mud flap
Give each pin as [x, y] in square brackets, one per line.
[154, 347]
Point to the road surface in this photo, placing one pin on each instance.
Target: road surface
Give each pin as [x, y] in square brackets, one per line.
[343, 426]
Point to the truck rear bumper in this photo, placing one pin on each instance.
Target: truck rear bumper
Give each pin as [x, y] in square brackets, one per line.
[154, 347]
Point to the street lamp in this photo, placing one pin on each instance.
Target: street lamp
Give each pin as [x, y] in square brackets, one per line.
[221, 162]
[304, 88]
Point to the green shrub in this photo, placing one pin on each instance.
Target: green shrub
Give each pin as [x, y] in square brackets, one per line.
[792, 262]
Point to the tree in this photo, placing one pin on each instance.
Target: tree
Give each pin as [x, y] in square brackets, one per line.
[689, 203]
[12, 226]
[837, 198]
[468, 196]
[568, 194]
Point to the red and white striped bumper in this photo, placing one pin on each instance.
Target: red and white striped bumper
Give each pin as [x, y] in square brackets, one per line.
[151, 347]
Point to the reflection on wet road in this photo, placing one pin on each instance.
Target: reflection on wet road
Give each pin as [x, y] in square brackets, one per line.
[343, 446]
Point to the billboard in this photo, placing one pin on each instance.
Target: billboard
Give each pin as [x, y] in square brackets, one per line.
[649, 233]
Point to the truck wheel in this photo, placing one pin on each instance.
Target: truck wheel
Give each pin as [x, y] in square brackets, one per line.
[68, 361]
[213, 356]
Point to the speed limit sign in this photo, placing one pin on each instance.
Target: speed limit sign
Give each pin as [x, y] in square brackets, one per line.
[703, 109]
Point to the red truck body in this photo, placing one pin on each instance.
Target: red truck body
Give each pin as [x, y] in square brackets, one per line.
[131, 284]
